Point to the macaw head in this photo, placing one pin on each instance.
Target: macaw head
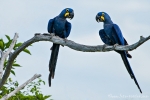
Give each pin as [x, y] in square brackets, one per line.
[67, 13]
[102, 17]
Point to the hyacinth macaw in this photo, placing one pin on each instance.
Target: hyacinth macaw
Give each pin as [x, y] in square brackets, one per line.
[58, 26]
[112, 35]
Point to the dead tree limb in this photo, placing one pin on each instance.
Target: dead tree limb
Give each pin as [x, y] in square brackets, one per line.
[4, 55]
[70, 44]
[20, 87]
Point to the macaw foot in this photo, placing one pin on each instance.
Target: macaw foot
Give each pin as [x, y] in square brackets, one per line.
[104, 47]
[37, 34]
[65, 39]
[52, 34]
[57, 36]
[46, 34]
[115, 45]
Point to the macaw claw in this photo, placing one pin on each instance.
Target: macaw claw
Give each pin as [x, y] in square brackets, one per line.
[104, 47]
[115, 45]
[46, 34]
[65, 39]
[37, 34]
[52, 34]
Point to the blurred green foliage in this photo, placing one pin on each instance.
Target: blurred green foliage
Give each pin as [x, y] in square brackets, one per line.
[32, 90]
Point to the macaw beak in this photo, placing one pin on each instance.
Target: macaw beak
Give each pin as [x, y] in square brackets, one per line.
[97, 18]
[100, 18]
[71, 15]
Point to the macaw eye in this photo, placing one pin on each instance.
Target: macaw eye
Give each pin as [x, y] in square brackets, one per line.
[67, 10]
[103, 14]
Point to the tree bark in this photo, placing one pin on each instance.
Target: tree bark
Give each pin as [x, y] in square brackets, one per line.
[70, 44]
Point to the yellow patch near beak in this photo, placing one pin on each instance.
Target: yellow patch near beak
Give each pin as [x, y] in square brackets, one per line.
[102, 17]
[66, 14]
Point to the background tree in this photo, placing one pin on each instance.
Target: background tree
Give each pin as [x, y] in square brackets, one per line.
[32, 90]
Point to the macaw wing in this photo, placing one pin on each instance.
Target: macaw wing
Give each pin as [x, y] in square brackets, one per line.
[117, 34]
[50, 25]
[104, 37]
[68, 29]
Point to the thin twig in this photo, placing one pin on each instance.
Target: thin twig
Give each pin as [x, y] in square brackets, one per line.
[20, 87]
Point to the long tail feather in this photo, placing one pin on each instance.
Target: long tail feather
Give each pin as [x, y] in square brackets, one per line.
[128, 67]
[53, 61]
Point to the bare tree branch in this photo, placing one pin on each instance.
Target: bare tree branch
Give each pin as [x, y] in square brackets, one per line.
[20, 87]
[70, 44]
[5, 54]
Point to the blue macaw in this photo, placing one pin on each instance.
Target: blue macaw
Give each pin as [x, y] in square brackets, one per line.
[112, 35]
[58, 26]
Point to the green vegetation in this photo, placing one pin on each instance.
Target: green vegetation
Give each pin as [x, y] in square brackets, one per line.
[32, 90]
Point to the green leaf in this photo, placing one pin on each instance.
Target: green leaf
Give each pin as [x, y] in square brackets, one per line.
[16, 65]
[10, 80]
[47, 96]
[2, 44]
[5, 63]
[12, 68]
[43, 82]
[7, 37]
[18, 44]
[36, 93]
[27, 51]
[16, 84]
[13, 72]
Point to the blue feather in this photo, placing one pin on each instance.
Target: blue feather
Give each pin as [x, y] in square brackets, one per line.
[111, 35]
[62, 28]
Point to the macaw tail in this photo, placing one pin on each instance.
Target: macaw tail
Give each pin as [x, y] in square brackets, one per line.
[53, 61]
[128, 67]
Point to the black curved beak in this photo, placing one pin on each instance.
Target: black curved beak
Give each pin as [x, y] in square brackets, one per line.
[71, 15]
[97, 18]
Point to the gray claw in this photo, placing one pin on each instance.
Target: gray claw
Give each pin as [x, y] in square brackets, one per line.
[65, 39]
[37, 34]
[46, 34]
[116, 45]
[52, 34]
